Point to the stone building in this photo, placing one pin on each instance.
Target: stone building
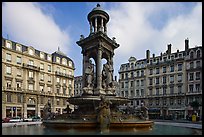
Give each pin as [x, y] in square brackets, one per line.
[31, 77]
[78, 86]
[166, 83]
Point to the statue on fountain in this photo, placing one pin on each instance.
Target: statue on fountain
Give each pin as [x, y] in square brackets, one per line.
[47, 111]
[104, 114]
[144, 111]
[89, 77]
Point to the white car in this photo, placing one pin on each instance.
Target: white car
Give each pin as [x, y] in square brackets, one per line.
[27, 119]
[16, 119]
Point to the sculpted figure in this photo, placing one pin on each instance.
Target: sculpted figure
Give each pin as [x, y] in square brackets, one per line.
[89, 74]
[144, 109]
[107, 74]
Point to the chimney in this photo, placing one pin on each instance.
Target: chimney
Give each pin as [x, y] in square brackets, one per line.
[177, 51]
[169, 49]
[186, 44]
[161, 54]
[153, 55]
[147, 54]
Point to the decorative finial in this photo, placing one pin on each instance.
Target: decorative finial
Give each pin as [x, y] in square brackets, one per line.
[58, 48]
[98, 5]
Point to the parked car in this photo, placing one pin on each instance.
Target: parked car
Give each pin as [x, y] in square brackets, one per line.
[16, 119]
[6, 120]
[36, 118]
[27, 119]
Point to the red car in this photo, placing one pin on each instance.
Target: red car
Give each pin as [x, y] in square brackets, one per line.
[6, 120]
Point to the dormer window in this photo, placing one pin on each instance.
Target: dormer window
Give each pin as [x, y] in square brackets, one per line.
[18, 47]
[198, 54]
[8, 44]
[64, 61]
[30, 51]
[49, 57]
[70, 64]
[191, 55]
[41, 55]
[57, 59]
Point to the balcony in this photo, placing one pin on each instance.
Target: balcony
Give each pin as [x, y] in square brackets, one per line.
[64, 75]
[27, 66]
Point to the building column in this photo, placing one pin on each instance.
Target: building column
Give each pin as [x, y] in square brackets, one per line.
[91, 30]
[95, 29]
[24, 110]
[98, 69]
[102, 28]
[105, 29]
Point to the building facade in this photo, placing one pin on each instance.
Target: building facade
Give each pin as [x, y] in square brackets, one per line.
[167, 83]
[78, 80]
[31, 77]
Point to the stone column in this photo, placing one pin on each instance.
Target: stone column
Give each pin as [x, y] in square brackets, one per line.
[84, 67]
[98, 68]
[24, 110]
[102, 25]
[91, 30]
[105, 29]
[95, 29]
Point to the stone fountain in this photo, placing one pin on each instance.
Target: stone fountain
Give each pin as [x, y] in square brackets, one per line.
[97, 107]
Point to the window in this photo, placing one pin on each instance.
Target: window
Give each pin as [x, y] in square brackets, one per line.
[198, 54]
[64, 81]
[191, 55]
[122, 75]
[18, 72]
[179, 67]
[138, 82]
[122, 85]
[131, 93]
[157, 70]
[157, 101]
[64, 91]
[198, 64]
[30, 86]
[150, 92]
[179, 89]
[8, 84]
[8, 70]
[164, 69]
[142, 72]
[19, 98]
[18, 85]
[49, 78]
[179, 101]
[172, 68]
[8, 97]
[171, 90]
[197, 75]
[57, 59]
[8, 57]
[171, 101]
[58, 101]
[131, 83]
[42, 77]
[191, 65]
[70, 64]
[49, 57]
[157, 91]
[64, 61]
[41, 100]
[142, 82]
[132, 74]
[126, 75]
[41, 55]
[157, 80]
[49, 68]
[180, 55]
[126, 84]
[30, 51]
[70, 73]
[179, 78]
[138, 73]
[191, 88]
[31, 62]
[198, 87]
[58, 80]
[137, 92]
[150, 71]
[30, 74]
[64, 71]
[142, 92]
[18, 60]
[41, 66]
[164, 90]
[18, 47]
[171, 79]
[49, 89]
[150, 81]
[164, 79]
[164, 101]
[191, 77]
[8, 45]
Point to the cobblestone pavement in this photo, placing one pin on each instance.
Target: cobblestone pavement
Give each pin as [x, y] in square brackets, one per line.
[20, 123]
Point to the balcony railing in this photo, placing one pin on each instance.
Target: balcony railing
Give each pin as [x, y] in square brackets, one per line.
[31, 67]
[64, 74]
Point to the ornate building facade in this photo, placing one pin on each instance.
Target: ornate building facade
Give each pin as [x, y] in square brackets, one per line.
[167, 83]
[31, 77]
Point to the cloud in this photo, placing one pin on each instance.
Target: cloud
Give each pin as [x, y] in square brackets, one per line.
[31, 25]
[133, 25]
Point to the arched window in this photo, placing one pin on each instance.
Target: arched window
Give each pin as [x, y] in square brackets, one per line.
[64, 61]
[198, 54]
[31, 101]
[57, 59]
[191, 55]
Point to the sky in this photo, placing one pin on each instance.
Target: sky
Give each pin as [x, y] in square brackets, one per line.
[137, 27]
